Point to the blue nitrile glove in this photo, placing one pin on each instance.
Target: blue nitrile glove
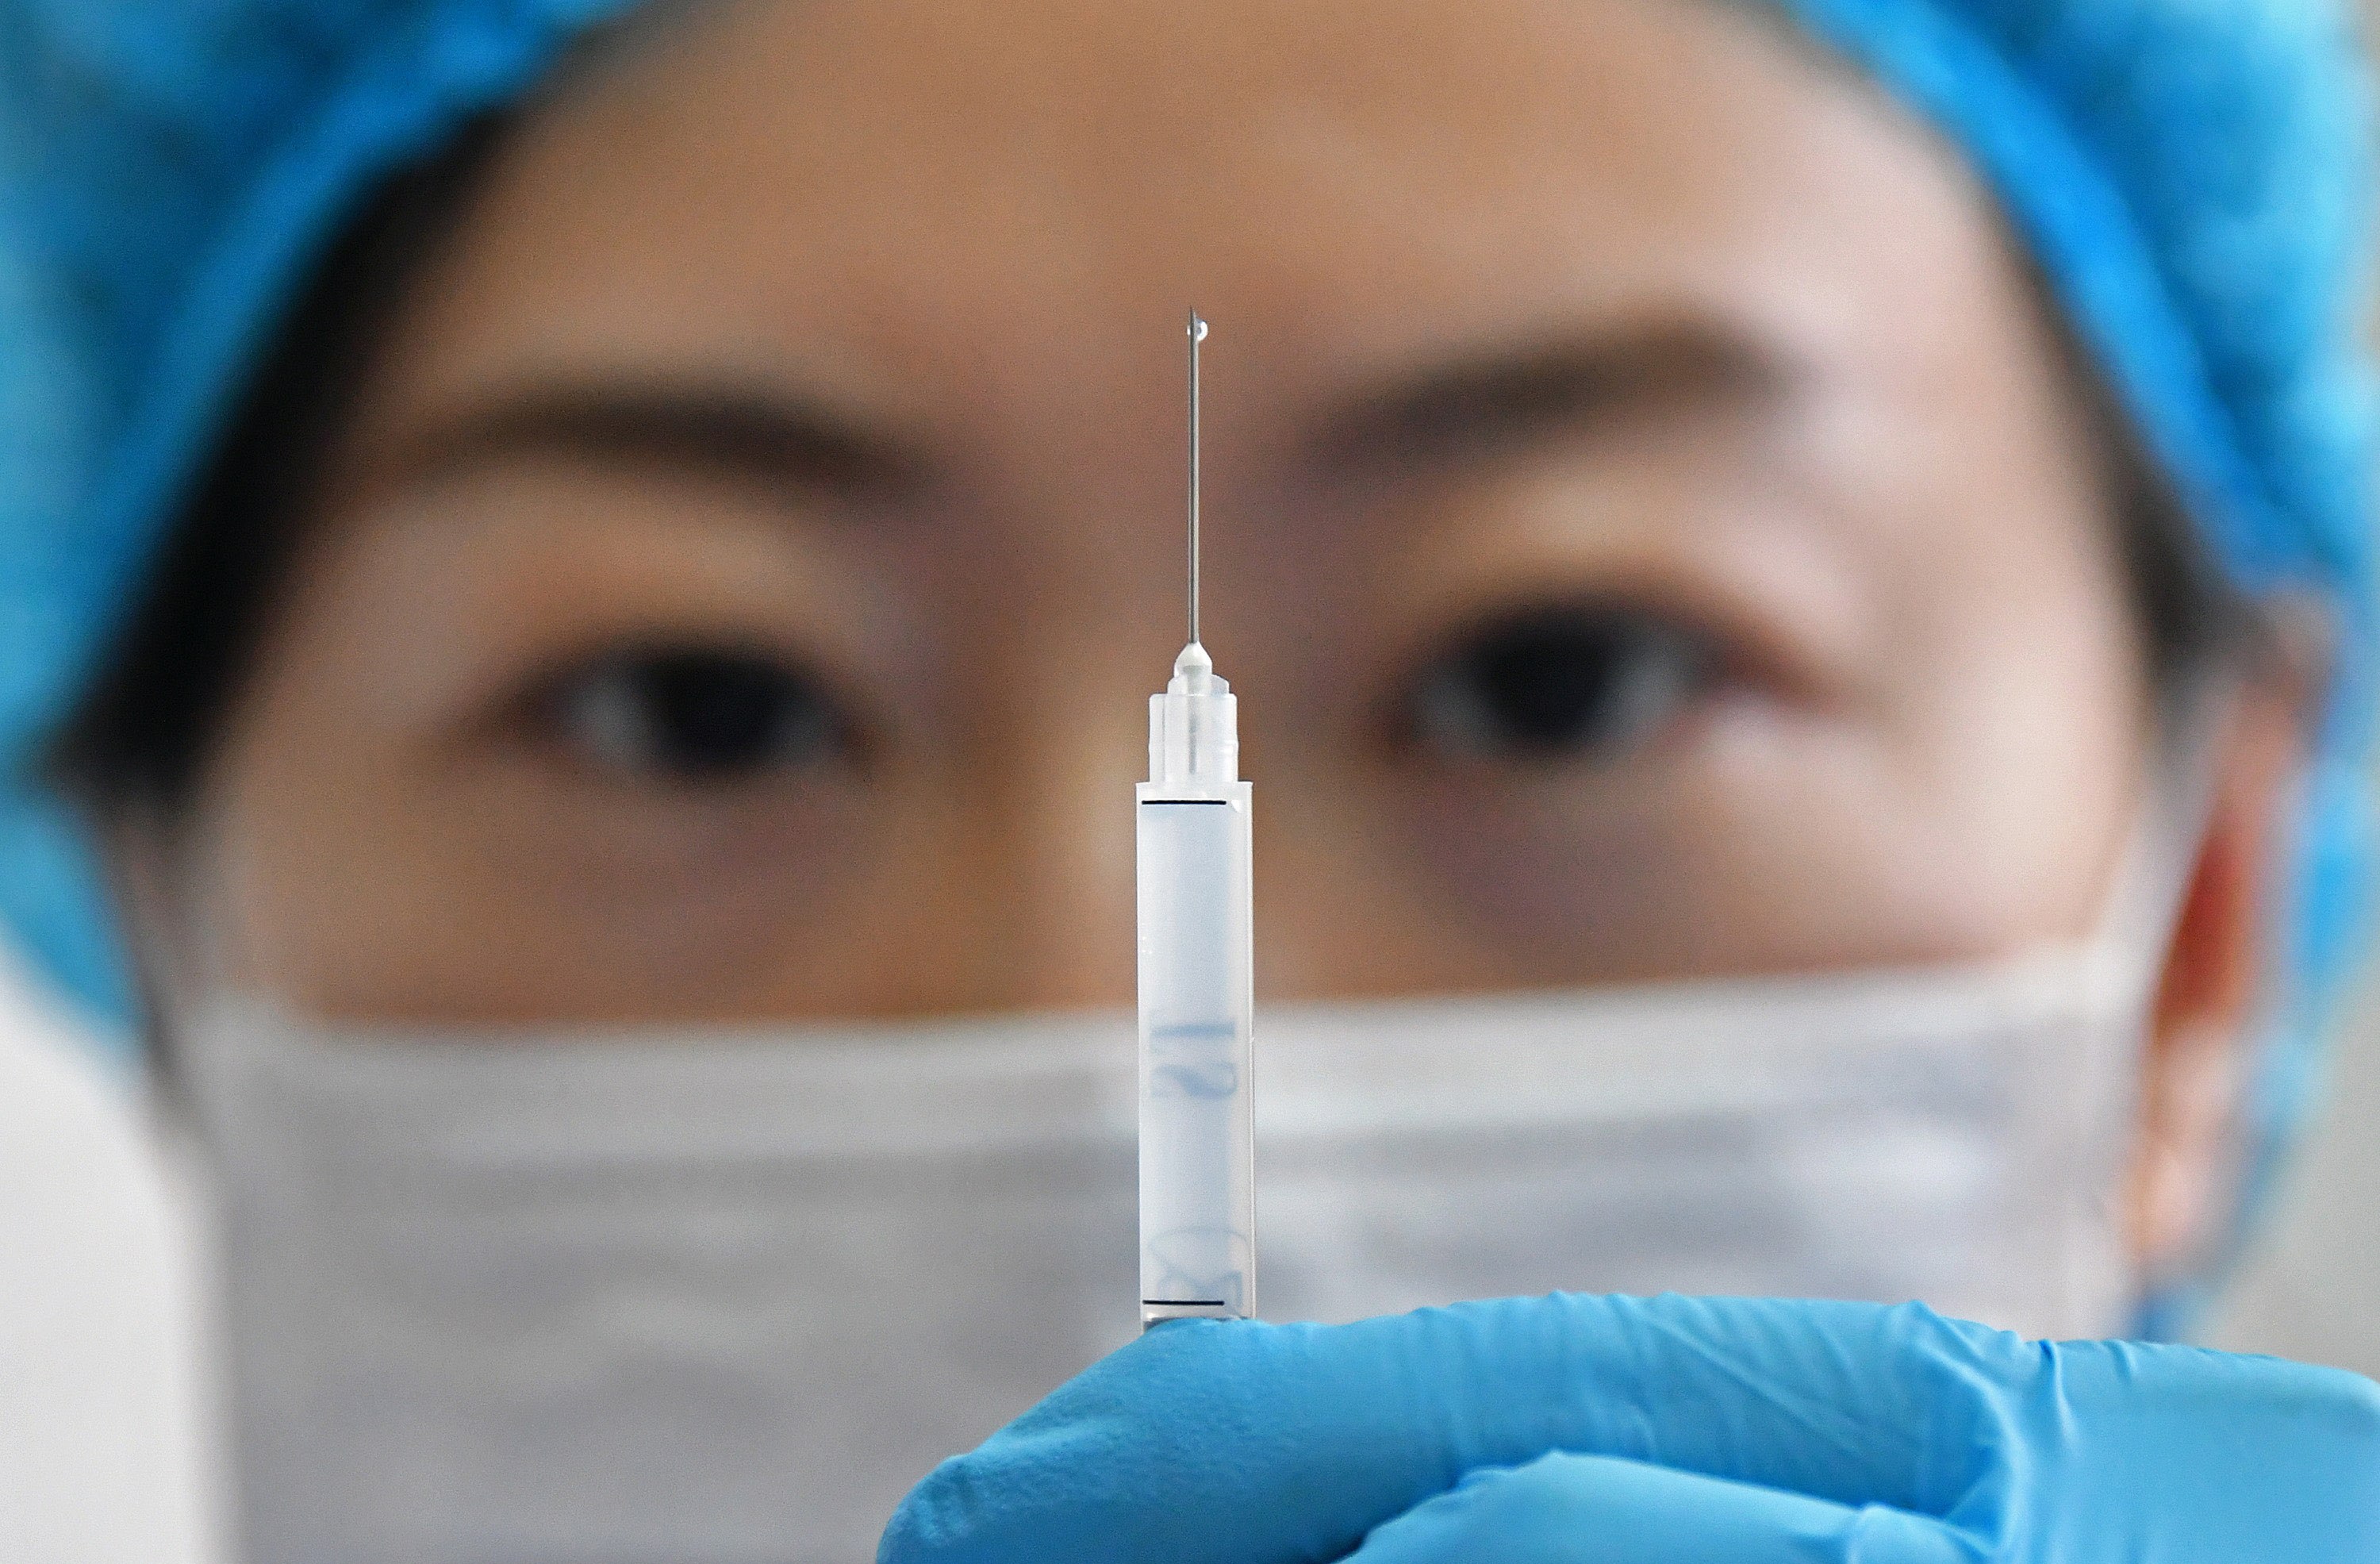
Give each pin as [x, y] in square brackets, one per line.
[1733, 1431]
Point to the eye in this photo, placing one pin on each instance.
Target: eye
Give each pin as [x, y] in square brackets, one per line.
[693, 714]
[1558, 684]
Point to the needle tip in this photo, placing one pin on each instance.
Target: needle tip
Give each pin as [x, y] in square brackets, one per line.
[1198, 327]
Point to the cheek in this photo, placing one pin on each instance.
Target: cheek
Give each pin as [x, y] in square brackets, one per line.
[2027, 694]
[355, 875]
[360, 879]
[1759, 837]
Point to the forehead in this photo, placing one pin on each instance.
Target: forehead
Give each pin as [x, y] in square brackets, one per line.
[986, 191]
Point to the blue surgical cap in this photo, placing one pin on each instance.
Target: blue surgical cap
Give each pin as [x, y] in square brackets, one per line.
[2190, 176]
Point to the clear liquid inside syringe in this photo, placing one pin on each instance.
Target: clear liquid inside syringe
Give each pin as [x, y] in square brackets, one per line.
[1197, 1132]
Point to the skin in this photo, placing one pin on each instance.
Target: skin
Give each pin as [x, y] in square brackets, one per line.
[847, 336]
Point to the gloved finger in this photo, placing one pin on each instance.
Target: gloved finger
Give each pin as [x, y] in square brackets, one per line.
[2207, 1451]
[1251, 1444]
[1596, 1510]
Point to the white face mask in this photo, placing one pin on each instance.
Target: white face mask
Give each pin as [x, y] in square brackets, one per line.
[595, 1299]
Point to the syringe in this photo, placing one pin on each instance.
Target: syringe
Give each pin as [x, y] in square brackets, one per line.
[1198, 1136]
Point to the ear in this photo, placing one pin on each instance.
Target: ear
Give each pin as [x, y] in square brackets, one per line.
[2218, 977]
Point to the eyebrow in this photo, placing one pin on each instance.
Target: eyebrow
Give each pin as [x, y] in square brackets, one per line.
[1486, 402]
[722, 433]
[1474, 404]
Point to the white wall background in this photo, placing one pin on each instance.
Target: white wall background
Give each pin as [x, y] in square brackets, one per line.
[2311, 1285]
[102, 1437]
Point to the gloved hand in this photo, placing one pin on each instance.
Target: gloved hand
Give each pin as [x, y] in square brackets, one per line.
[1677, 1430]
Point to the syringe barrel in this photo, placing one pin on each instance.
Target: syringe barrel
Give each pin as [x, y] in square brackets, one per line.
[1197, 1133]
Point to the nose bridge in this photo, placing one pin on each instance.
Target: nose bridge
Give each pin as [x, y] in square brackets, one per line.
[1091, 513]
[1056, 816]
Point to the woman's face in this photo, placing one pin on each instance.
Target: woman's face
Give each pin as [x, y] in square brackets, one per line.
[1649, 522]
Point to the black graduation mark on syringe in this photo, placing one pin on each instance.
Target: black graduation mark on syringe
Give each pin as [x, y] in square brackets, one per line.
[1218, 803]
